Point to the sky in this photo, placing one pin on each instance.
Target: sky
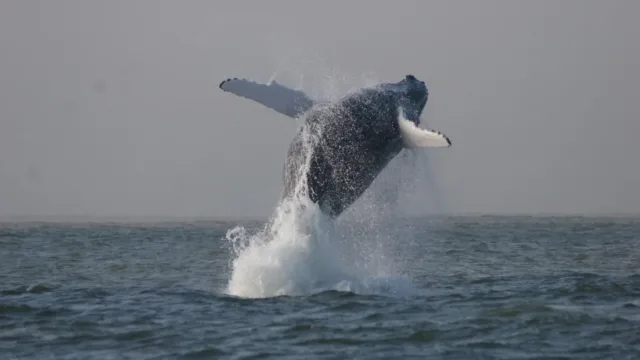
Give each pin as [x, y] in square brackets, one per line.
[112, 108]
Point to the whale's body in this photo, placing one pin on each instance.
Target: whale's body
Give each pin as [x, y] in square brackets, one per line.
[349, 141]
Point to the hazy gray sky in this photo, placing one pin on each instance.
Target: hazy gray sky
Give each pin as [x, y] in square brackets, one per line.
[113, 107]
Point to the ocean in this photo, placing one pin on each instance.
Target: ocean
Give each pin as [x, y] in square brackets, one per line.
[440, 287]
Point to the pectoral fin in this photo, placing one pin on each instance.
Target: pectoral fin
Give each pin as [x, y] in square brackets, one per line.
[282, 99]
[415, 137]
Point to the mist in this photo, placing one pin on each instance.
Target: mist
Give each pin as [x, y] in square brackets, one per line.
[112, 108]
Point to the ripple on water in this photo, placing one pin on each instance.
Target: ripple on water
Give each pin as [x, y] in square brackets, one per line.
[501, 288]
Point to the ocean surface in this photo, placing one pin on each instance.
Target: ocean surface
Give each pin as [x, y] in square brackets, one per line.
[430, 288]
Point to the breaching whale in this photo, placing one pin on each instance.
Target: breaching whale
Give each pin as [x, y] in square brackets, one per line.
[352, 139]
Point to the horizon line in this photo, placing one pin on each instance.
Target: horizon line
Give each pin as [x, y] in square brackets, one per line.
[43, 218]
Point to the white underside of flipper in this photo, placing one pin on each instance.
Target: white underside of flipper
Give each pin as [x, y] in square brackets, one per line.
[414, 137]
[282, 99]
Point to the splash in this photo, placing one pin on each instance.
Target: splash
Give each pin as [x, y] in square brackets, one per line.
[408, 186]
[299, 252]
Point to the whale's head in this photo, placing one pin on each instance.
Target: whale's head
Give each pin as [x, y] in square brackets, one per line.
[412, 95]
[416, 91]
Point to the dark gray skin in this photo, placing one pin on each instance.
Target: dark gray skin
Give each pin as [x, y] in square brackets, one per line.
[354, 139]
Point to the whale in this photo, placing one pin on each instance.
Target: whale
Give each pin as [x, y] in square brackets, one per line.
[344, 144]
